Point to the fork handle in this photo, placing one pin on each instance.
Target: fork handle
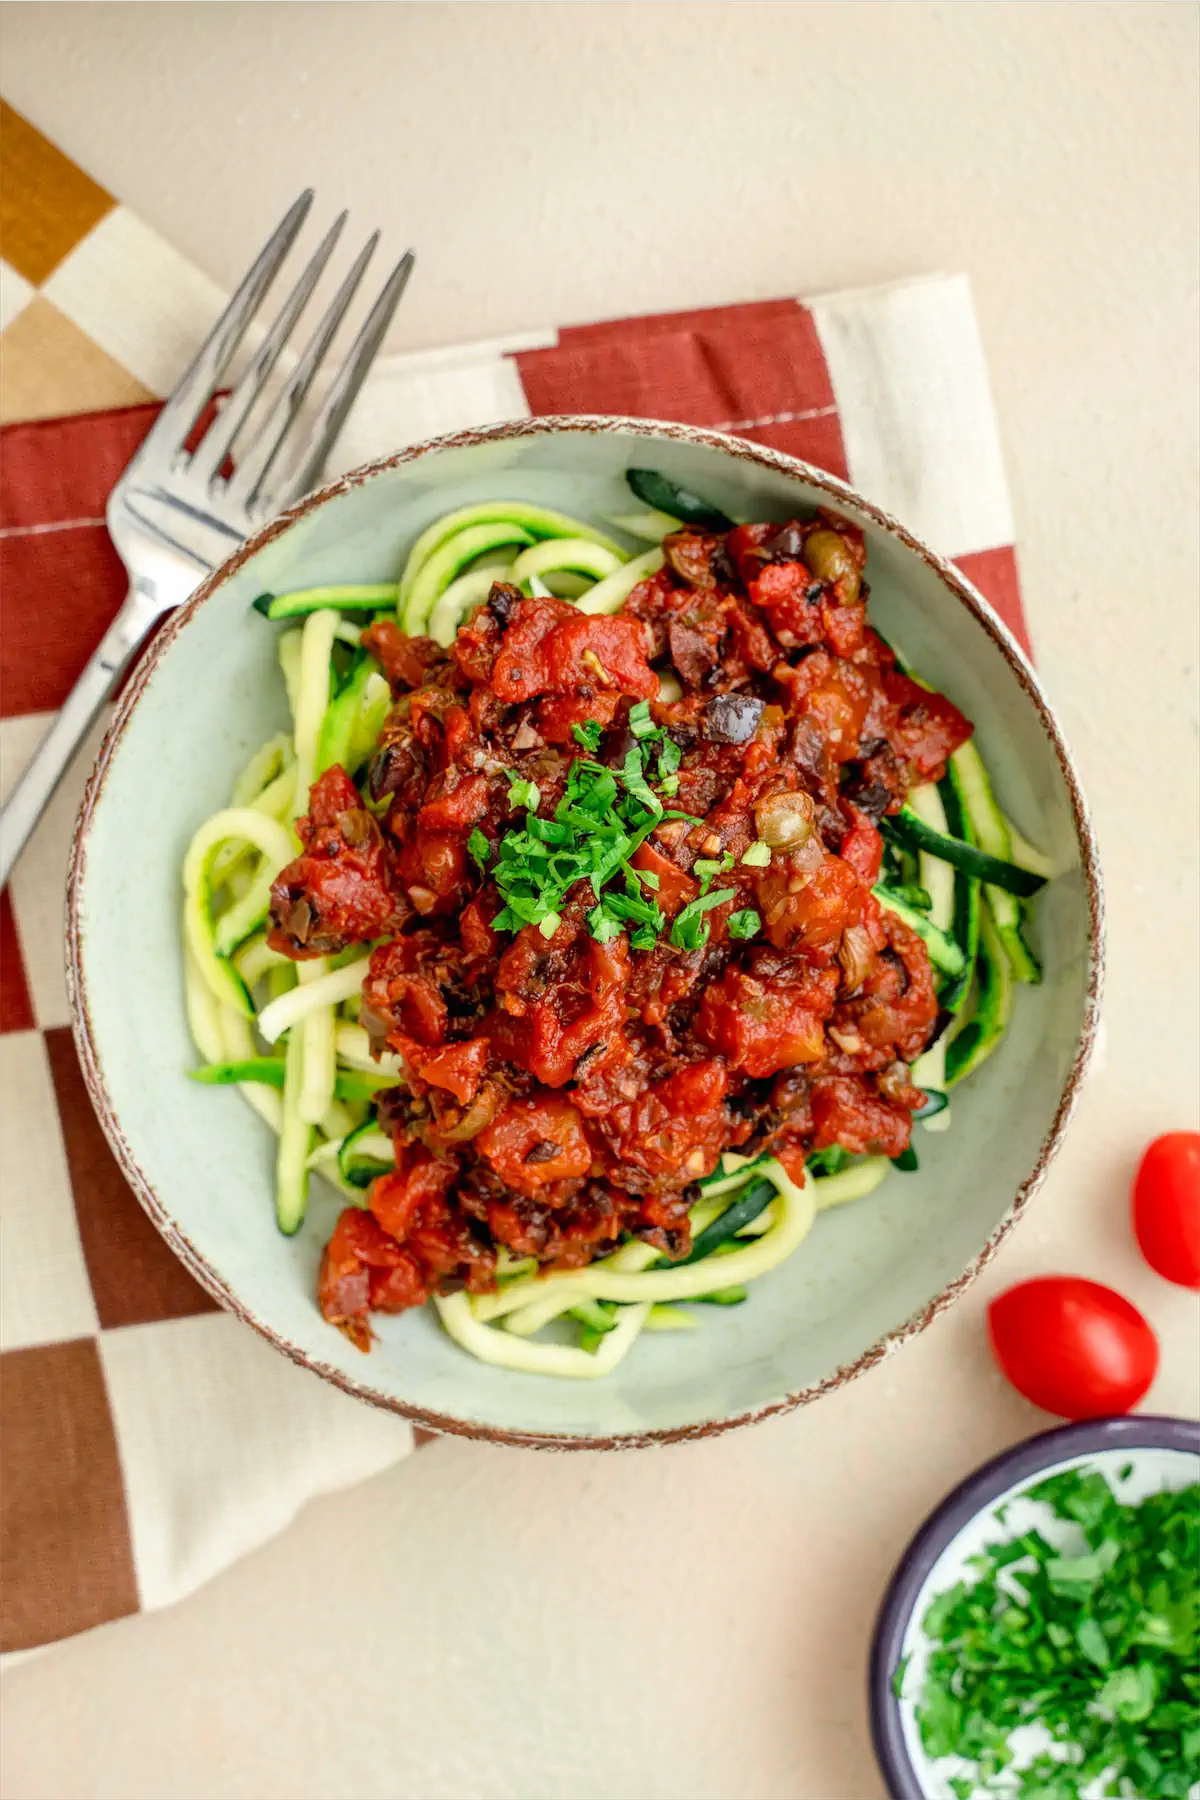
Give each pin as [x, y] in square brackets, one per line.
[53, 756]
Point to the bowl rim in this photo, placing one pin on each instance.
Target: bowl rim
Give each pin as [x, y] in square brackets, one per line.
[1011, 1468]
[550, 426]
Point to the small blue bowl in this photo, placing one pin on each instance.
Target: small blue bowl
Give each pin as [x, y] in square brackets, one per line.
[1163, 1452]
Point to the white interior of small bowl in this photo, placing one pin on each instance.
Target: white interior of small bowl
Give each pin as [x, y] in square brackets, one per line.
[864, 1271]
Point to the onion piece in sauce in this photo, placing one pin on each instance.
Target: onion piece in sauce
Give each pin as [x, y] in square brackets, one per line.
[786, 821]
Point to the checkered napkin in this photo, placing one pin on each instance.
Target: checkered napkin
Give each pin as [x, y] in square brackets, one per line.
[148, 1439]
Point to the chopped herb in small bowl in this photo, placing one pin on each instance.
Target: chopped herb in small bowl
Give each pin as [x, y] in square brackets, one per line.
[1040, 1639]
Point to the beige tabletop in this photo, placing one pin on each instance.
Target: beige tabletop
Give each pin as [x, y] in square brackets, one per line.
[692, 1623]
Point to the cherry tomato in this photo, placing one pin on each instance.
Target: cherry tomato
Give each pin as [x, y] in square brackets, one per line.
[1073, 1347]
[1166, 1207]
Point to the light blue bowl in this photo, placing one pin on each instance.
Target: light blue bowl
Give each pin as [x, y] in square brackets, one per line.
[870, 1275]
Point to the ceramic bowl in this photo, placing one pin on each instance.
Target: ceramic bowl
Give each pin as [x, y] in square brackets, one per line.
[1137, 1456]
[208, 692]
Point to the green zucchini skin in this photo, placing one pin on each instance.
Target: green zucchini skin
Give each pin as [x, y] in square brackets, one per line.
[745, 1208]
[968, 896]
[664, 496]
[962, 854]
[944, 953]
[266, 1069]
[990, 830]
[350, 1084]
[378, 597]
[992, 1010]
[352, 724]
[360, 1158]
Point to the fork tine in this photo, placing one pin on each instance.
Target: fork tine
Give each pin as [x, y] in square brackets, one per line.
[218, 440]
[245, 484]
[344, 388]
[197, 385]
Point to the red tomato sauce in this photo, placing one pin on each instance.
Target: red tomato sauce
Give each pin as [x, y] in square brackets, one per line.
[563, 1092]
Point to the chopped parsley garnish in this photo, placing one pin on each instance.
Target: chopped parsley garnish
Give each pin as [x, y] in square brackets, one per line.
[523, 793]
[705, 867]
[632, 774]
[690, 930]
[1099, 1648]
[603, 816]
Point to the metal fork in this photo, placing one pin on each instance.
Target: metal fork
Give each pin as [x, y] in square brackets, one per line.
[175, 514]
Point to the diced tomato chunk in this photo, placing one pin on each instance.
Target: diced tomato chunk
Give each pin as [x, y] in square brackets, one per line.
[897, 1005]
[678, 1126]
[341, 890]
[407, 1002]
[862, 848]
[458, 810]
[536, 1141]
[405, 1284]
[458, 1068]
[550, 647]
[356, 1263]
[583, 1018]
[743, 543]
[843, 627]
[432, 866]
[406, 660]
[810, 921]
[848, 1112]
[929, 726]
[783, 590]
[397, 1197]
[764, 1025]
[751, 639]
[676, 888]
[558, 714]
[332, 794]
[475, 930]
[838, 715]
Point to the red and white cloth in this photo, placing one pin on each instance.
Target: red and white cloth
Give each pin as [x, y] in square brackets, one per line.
[149, 1440]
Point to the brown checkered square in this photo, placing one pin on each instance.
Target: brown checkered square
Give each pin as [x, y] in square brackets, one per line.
[135, 1278]
[65, 1556]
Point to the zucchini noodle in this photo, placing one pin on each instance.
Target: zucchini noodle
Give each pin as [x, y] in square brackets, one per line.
[312, 697]
[329, 988]
[508, 1352]
[353, 1048]
[238, 1046]
[670, 1318]
[289, 665]
[255, 957]
[261, 770]
[610, 595]
[576, 554]
[241, 996]
[295, 1142]
[202, 1008]
[319, 1060]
